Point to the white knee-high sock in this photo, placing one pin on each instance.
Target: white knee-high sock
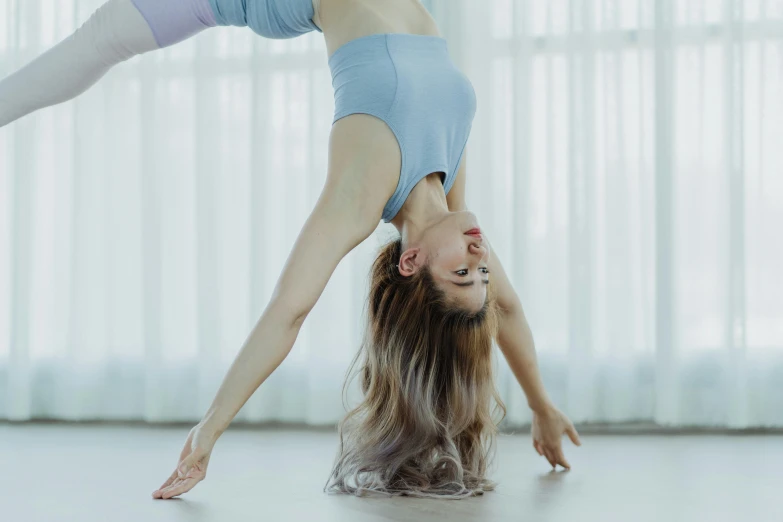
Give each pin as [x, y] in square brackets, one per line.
[114, 33]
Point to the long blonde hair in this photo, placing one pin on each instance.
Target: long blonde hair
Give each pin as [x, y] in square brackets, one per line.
[424, 427]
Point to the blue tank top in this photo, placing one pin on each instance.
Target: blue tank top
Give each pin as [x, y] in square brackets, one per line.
[410, 82]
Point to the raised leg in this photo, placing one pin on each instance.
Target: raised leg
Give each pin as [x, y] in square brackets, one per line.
[117, 31]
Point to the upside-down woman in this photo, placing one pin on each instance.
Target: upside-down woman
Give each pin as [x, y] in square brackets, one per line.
[438, 298]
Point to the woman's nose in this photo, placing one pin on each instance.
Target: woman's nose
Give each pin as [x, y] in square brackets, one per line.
[477, 249]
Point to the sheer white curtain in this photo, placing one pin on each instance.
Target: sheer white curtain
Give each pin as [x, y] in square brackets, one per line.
[624, 160]
[143, 227]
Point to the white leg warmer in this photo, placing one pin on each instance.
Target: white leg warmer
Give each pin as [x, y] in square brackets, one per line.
[114, 33]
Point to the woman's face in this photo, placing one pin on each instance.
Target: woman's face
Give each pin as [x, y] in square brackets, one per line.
[457, 256]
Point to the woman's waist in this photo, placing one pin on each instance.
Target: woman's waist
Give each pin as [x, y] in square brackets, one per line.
[344, 21]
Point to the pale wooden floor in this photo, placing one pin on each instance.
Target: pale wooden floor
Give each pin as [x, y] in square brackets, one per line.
[92, 473]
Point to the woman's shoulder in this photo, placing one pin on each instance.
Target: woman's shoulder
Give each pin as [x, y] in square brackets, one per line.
[364, 164]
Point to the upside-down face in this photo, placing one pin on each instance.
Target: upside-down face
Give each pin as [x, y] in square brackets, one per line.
[457, 255]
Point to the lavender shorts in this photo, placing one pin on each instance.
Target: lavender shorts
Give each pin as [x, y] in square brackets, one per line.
[172, 21]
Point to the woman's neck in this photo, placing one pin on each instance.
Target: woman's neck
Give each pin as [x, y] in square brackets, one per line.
[426, 205]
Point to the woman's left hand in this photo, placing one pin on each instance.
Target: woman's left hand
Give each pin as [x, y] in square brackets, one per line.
[549, 426]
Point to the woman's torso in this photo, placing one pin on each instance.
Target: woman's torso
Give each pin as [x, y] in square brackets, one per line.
[388, 61]
[345, 20]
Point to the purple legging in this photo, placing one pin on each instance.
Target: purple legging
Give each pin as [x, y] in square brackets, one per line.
[172, 21]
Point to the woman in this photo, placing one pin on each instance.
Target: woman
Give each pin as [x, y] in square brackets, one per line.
[397, 153]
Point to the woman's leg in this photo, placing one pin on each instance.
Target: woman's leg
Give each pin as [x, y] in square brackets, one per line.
[117, 31]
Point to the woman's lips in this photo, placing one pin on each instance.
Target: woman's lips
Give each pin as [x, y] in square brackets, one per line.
[474, 232]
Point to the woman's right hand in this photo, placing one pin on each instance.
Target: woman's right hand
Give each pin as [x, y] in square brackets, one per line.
[192, 465]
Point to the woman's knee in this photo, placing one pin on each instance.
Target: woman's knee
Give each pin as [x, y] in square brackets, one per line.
[116, 32]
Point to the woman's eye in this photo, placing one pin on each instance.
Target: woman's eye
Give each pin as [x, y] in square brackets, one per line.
[462, 272]
[485, 270]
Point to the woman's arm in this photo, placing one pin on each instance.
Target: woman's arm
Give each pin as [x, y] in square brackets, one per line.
[514, 336]
[347, 212]
[363, 160]
[330, 233]
[515, 340]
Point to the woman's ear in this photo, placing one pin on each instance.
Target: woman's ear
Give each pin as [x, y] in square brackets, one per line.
[410, 262]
